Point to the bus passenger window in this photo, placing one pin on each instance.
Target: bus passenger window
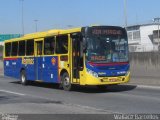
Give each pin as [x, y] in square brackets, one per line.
[7, 49]
[14, 48]
[30, 48]
[22, 48]
[49, 45]
[62, 44]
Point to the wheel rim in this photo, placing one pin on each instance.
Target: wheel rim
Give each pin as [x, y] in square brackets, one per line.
[23, 78]
[66, 81]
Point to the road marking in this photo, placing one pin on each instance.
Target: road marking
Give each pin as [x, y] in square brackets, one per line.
[147, 86]
[6, 91]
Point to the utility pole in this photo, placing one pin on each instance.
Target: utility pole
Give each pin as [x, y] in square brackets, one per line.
[125, 13]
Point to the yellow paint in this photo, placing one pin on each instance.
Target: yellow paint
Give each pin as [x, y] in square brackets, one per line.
[90, 80]
[45, 34]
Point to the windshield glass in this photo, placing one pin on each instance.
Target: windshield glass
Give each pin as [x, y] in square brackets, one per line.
[106, 49]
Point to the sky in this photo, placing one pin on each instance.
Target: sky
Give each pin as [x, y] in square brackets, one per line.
[53, 14]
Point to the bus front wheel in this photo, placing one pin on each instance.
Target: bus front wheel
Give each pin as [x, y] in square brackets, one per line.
[23, 78]
[66, 83]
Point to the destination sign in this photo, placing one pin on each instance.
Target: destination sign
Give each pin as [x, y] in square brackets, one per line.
[106, 32]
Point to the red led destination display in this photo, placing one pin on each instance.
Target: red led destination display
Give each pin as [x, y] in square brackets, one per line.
[106, 32]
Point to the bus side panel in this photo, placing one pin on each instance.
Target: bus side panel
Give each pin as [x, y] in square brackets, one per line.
[30, 69]
[16, 68]
[8, 68]
[47, 73]
[50, 69]
[12, 68]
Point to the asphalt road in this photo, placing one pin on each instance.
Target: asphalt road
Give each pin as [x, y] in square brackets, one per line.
[38, 98]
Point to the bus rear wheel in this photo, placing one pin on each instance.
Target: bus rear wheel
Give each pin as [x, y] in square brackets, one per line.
[66, 83]
[23, 78]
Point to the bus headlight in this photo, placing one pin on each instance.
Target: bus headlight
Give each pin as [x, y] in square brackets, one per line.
[127, 73]
[92, 73]
[123, 73]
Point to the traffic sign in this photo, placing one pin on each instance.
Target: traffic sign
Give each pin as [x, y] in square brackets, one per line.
[8, 36]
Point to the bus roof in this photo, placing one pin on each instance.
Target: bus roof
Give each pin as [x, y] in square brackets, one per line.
[46, 34]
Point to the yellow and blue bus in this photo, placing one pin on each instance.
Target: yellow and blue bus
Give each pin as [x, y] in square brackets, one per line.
[95, 55]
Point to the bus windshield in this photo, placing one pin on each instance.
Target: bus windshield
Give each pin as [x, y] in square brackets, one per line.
[107, 49]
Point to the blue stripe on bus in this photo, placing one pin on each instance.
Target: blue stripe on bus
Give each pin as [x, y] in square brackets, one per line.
[43, 68]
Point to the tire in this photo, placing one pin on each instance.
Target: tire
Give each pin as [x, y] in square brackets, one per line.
[66, 83]
[23, 78]
[101, 87]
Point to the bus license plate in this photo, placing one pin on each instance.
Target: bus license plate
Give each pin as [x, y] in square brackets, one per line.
[114, 80]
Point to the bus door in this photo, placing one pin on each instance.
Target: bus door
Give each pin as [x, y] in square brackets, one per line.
[38, 58]
[77, 56]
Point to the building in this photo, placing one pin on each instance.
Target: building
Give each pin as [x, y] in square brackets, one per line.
[4, 37]
[143, 38]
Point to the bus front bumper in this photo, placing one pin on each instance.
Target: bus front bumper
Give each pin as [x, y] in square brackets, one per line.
[90, 80]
